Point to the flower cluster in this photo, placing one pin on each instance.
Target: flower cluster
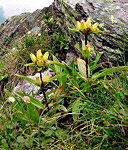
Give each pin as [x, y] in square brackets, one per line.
[87, 27]
[40, 60]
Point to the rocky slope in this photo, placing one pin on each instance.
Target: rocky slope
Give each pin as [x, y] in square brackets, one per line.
[112, 14]
[17, 26]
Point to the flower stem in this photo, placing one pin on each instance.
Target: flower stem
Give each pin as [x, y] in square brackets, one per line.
[87, 61]
[42, 88]
[86, 39]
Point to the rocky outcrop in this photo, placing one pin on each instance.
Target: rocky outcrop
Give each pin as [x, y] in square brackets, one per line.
[112, 14]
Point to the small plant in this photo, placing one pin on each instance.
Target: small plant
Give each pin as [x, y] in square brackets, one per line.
[80, 78]
[40, 61]
[84, 109]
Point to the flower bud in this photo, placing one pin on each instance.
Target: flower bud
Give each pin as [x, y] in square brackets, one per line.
[46, 78]
[86, 50]
[26, 99]
[38, 81]
[11, 99]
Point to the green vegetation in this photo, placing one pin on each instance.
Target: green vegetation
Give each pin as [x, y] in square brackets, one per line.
[85, 108]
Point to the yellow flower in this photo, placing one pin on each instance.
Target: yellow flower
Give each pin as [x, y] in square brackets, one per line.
[87, 27]
[88, 23]
[82, 26]
[45, 56]
[33, 57]
[39, 59]
[46, 78]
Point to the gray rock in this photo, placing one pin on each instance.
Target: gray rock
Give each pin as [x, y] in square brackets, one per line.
[70, 56]
[34, 31]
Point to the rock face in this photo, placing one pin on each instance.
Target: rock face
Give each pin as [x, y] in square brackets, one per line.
[112, 14]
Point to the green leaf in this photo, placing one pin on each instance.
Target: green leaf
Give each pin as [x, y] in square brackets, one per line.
[93, 65]
[2, 77]
[33, 100]
[98, 57]
[74, 29]
[68, 69]
[30, 64]
[55, 63]
[82, 67]
[76, 109]
[58, 68]
[63, 108]
[98, 31]
[20, 139]
[4, 144]
[53, 78]
[32, 113]
[27, 79]
[108, 71]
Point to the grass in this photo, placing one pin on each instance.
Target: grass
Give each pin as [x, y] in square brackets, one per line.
[96, 119]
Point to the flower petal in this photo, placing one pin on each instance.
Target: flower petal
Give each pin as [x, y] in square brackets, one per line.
[33, 57]
[38, 81]
[94, 27]
[45, 56]
[46, 78]
[39, 54]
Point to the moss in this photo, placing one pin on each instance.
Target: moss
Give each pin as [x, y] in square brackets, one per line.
[116, 51]
[110, 1]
